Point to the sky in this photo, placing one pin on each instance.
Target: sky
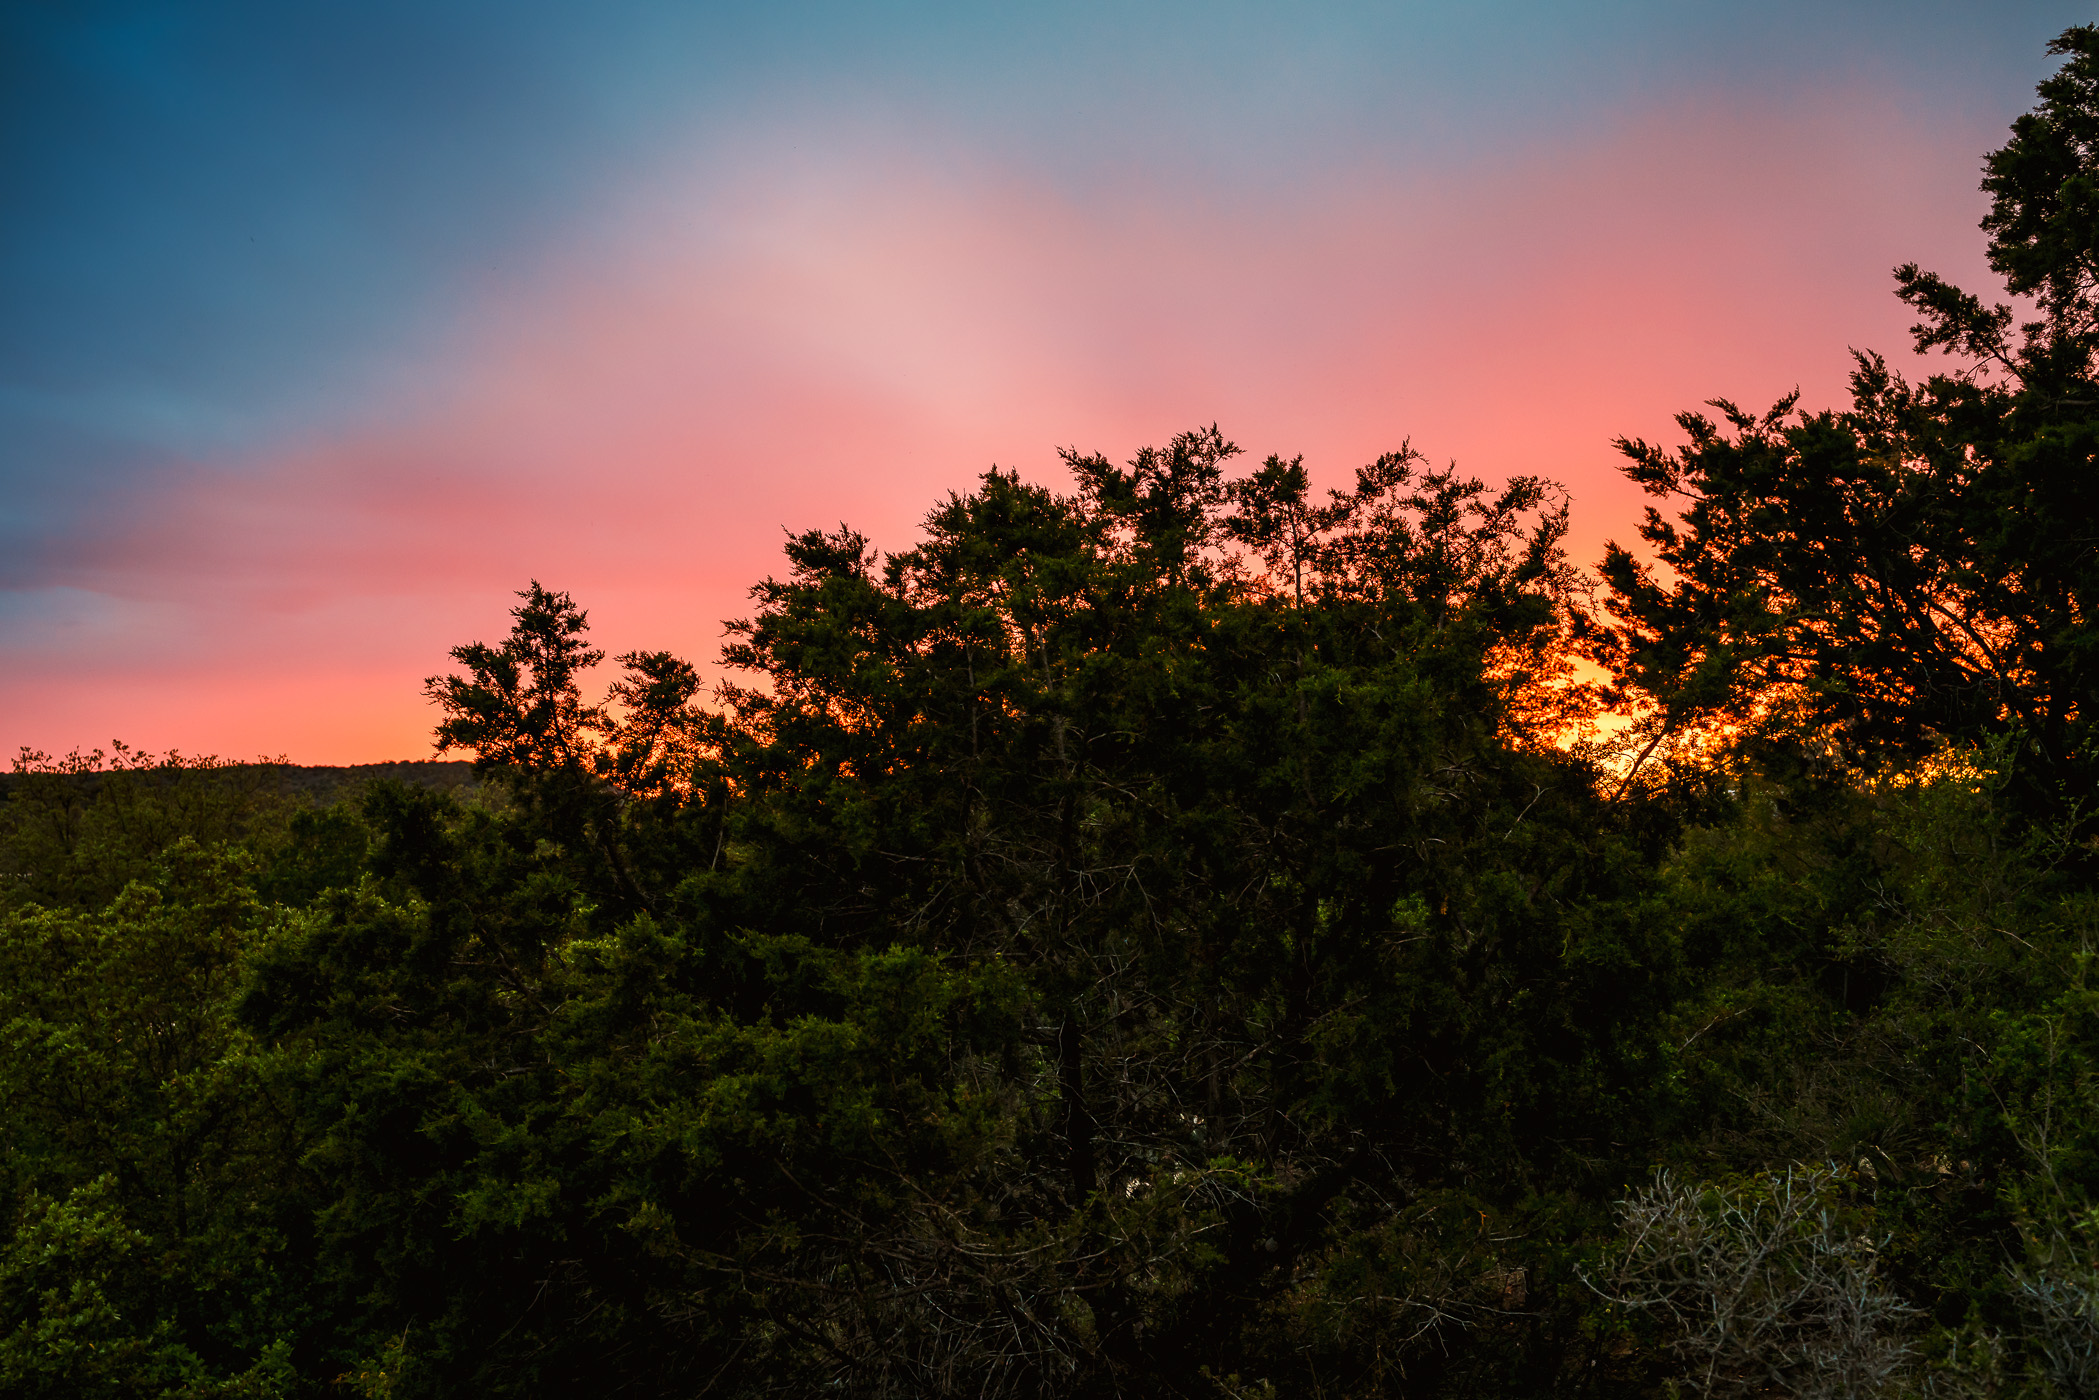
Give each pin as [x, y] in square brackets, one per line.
[326, 327]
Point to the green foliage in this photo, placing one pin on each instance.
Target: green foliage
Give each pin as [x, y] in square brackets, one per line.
[142, 1166]
[75, 830]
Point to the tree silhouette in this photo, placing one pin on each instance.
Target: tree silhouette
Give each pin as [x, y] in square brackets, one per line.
[1921, 568]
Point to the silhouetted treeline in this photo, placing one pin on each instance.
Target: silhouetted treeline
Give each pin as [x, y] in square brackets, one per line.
[1192, 936]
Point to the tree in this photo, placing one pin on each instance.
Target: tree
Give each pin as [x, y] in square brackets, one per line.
[142, 1183]
[1124, 935]
[520, 706]
[1770, 1285]
[576, 765]
[1265, 835]
[1918, 570]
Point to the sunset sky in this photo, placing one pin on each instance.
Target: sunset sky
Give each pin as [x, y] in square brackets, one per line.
[325, 326]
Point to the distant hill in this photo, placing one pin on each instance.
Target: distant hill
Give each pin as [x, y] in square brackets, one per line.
[324, 785]
[320, 784]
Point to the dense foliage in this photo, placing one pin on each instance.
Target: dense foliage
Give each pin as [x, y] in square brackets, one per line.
[1187, 937]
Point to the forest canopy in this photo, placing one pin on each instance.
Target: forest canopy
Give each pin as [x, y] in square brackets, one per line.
[1189, 934]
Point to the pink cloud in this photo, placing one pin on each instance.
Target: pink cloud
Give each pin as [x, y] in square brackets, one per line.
[845, 334]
